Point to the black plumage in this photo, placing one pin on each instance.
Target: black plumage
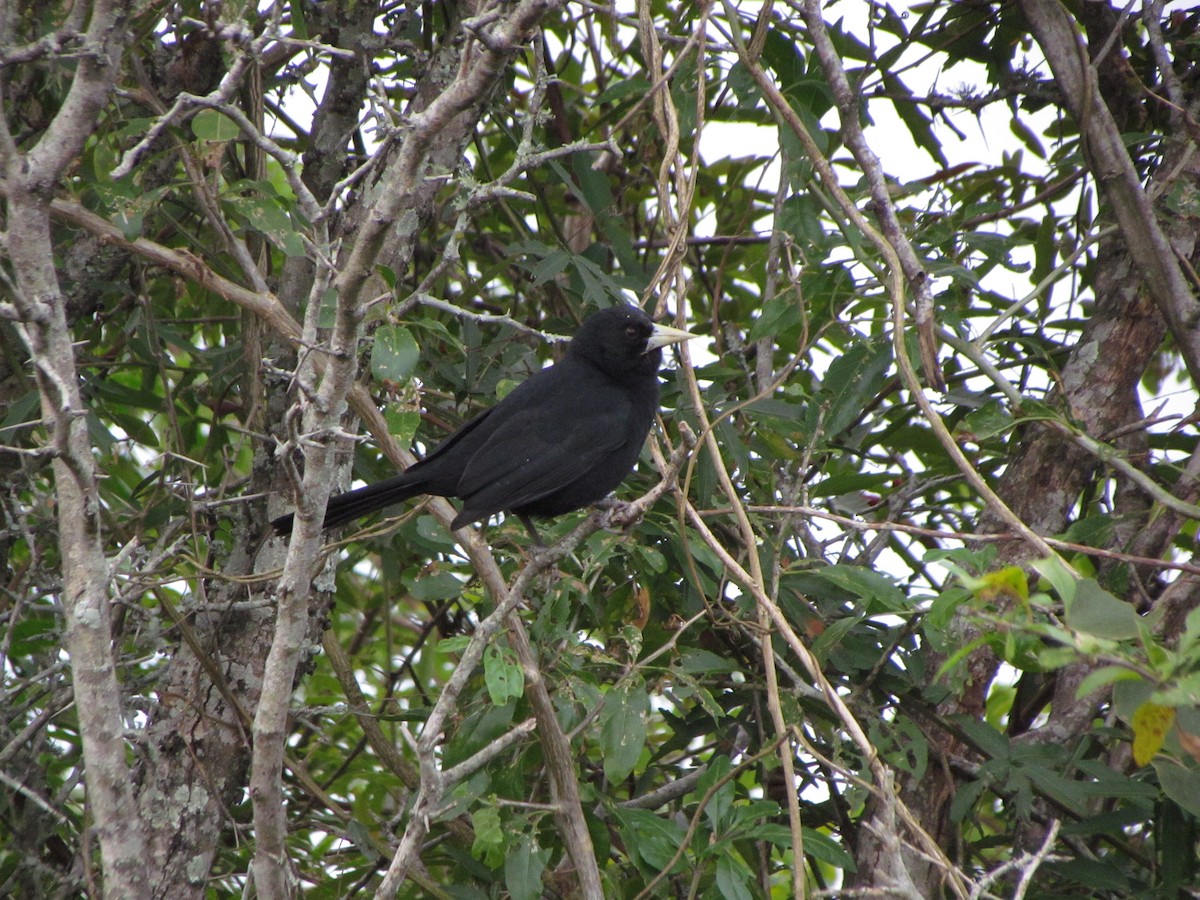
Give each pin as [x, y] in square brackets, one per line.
[564, 438]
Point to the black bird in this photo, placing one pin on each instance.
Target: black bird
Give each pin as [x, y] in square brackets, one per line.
[562, 439]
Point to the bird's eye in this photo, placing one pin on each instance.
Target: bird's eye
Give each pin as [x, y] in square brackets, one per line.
[631, 331]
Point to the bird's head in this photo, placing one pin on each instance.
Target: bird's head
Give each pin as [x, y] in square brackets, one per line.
[624, 341]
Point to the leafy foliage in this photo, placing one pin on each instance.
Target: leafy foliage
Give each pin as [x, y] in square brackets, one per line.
[1036, 704]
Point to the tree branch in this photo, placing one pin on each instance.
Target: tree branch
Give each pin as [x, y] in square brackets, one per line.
[1109, 161]
[508, 597]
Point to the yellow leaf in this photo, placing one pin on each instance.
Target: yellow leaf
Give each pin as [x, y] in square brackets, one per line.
[1151, 723]
[1007, 583]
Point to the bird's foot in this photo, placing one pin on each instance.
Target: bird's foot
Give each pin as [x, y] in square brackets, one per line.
[538, 554]
[617, 515]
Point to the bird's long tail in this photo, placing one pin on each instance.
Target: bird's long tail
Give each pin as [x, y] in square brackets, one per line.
[360, 502]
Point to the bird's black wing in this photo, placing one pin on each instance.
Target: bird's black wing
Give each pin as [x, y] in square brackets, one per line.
[539, 451]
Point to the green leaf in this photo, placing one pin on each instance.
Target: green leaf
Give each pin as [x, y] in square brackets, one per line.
[636, 86]
[733, 878]
[592, 187]
[992, 742]
[623, 730]
[1095, 611]
[778, 314]
[989, 421]
[877, 591]
[697, 661]
[1180, 783]
[456, 644]
[744, 87]
[328, 313]
[1129, 695]
[21, 411]
[502, 674]
[489, 835]
[523, 868]
[652, 838]
[266, 215]
[691, 688]
[1094, 531]
[552, 265]
[836, 485]
[822, 847]
[1182, 693]
[367, 843]
[1008, 583]
[298, 21]
[854, 378]
[387, 274]
[1103, 677]
[965, 797]
[1191, 631]
[960, 654]
[395, 354]
[434, 586]
[402, 423]
[720, 801]
[211, 125]
[1028, 137]
[599, 288]
[129, 218]
[1061, 577]
[832, 636]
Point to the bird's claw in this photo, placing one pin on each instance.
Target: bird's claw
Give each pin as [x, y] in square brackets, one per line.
[618, 515]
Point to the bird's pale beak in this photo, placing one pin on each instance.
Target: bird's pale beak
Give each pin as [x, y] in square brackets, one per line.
[662, 335]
